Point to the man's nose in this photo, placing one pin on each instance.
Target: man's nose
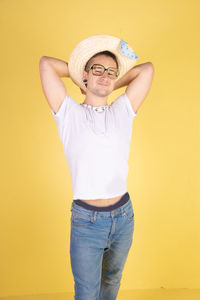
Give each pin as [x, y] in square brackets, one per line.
[105, 74]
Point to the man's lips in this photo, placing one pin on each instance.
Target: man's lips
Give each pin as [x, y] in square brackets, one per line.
[102, 83]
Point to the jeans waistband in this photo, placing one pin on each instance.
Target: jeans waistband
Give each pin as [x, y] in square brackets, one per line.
[124, 199]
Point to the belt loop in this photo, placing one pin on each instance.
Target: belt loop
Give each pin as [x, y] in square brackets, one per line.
[71, 205]
[93, 218]
[122, 211]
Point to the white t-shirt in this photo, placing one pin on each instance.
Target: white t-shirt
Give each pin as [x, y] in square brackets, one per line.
[96, 145]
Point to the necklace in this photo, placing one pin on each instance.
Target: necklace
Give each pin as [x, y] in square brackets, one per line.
[96, 108]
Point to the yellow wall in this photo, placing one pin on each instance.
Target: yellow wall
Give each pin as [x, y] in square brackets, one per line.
[164, 176]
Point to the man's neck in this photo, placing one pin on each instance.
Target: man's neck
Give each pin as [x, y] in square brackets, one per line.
[94, 100]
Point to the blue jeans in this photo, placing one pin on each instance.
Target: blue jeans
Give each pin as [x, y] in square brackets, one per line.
[99, 246]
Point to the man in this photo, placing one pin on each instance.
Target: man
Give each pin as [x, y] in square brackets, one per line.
[96, 140]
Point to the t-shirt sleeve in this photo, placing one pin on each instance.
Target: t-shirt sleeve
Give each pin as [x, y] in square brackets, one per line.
[124, 103]
[63, 114]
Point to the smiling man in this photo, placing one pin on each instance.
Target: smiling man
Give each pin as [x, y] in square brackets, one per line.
[100, 73]
[96, 140]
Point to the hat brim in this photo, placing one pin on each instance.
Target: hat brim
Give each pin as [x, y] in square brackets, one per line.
[126, 57]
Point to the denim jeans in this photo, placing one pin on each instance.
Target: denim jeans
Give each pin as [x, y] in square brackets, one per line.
[99, 246]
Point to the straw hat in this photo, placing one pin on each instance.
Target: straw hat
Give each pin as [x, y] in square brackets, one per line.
[126, 57]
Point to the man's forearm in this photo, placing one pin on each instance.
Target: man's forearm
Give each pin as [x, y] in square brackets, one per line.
[60, 66]
[131, 75]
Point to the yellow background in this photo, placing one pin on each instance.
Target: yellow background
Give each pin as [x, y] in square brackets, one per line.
[164, 174]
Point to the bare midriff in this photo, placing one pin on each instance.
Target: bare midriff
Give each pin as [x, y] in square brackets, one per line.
[103, 202]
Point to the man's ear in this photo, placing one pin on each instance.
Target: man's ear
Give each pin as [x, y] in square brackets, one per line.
[85, 76]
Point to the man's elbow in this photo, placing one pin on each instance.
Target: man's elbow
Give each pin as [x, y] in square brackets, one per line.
[150, 66]
[43, 63]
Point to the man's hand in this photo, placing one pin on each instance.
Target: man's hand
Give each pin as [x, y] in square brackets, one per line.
[82, 91]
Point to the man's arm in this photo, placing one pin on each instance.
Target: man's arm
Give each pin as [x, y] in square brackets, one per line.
[51, 71]
[138, 81]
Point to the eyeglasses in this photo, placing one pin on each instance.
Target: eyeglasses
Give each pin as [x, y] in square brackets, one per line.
[98, 70]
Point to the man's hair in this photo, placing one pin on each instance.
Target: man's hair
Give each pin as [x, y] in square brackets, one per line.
[106, 53]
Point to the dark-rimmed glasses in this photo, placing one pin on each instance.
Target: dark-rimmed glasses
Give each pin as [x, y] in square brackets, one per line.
[98, 70]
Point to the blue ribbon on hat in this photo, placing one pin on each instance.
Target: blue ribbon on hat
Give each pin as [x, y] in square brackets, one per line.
[126, 51]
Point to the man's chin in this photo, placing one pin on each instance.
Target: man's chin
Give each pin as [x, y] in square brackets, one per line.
[103, 92]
